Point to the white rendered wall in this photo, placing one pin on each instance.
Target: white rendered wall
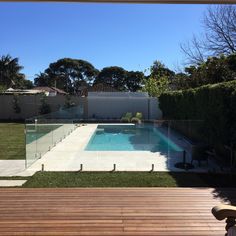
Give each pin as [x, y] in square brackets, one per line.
[115, 107]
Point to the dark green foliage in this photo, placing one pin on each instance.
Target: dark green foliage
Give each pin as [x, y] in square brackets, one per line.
[126, 118]
[68, 102]
[44, 107]
[213, 70]
[10, 75]
[214, 104]
[120, 79]
[67, 74]
[16, 105]
[113, 76]
[159, 70]
[133, 80]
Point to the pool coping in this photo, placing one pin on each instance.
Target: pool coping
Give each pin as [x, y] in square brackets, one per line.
[69, 155]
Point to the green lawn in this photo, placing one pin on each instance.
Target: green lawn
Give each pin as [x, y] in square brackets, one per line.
[128, 179]
[12, 141]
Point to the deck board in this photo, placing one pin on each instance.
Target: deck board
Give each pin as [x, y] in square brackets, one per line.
[112, 211]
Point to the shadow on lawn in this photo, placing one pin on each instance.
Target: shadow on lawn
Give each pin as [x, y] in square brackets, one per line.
[224, 185]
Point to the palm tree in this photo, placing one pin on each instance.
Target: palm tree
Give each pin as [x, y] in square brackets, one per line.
[10, 71]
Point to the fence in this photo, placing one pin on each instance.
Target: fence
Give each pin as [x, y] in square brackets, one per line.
[46, 131]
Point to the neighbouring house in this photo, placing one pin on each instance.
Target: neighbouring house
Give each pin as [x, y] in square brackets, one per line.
[100, 87]
[50, 91]
[12, 91]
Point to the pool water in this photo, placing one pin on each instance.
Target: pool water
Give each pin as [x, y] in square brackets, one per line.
[130, 138]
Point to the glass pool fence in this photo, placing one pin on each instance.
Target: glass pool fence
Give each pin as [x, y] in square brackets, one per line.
[44, 132]
[175, 141]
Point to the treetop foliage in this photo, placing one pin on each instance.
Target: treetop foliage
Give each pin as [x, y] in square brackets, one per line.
[10, 75]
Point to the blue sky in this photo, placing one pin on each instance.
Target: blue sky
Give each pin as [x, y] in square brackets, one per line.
[131, 36]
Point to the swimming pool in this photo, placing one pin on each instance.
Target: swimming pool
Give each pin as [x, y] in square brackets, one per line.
[130, 138]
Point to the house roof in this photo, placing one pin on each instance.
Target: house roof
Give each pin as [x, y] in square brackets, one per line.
[50, 89]
[100, 87]
[22, 91]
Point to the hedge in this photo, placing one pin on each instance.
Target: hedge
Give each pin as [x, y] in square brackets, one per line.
[214, 104]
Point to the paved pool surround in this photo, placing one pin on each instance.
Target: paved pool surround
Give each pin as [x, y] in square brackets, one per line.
[69, 154]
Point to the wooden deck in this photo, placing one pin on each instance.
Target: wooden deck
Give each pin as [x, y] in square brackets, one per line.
[133, 211]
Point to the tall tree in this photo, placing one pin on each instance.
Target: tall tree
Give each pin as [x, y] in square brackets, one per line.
[220, 26]
[42, 79]
[133, 80]
[219, 35]
[213, 70]
[67, 74]
[158, 70]
[113, 76]
[155, 87]
[10, 75]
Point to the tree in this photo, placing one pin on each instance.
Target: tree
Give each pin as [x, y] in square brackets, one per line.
[67, 74]
[113, 76]
[159, 70]
[219, 35]
[27, 84]
[68, 102]
[214, 70]
[42, 79]
[155, 87]
[220, 26]
[194, 51]
[16, 104]
[133, 80]
[180, 81]
[44, 106]
[10, 75]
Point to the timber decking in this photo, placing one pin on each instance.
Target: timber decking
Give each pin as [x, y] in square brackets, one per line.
[111, 211]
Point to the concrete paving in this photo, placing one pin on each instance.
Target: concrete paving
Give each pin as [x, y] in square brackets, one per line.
[11, 167]
[69, 154]
[11, 183]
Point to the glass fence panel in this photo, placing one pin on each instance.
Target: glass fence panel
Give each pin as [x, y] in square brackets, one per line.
[46, 131]
[44, 134]
[192, 137]
[44, 139]
[31, 143]
[165, 144]
[12, 141]
[58, 132]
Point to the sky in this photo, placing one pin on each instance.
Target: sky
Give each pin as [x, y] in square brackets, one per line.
[128, 35]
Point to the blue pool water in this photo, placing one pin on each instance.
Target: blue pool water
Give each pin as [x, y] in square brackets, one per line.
[130, 138]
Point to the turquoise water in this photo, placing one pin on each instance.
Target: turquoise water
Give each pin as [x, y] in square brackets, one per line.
[31, 137]
[130, 138]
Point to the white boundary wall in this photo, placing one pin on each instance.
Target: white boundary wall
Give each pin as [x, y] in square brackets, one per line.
[30, 104]
[98, 105]
[115, 105]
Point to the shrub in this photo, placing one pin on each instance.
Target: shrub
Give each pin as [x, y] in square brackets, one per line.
[68, 102]
[214, 104]
[16, 105]
[44, 107]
